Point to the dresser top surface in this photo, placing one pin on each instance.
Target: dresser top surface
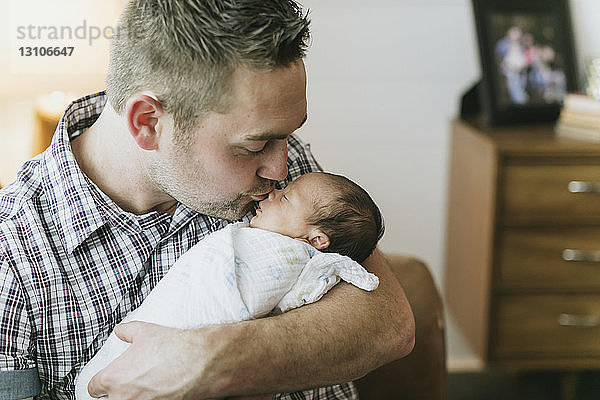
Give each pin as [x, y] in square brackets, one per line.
[527, 139]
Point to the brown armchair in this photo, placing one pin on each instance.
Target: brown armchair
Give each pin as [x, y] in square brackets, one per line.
[422, 374]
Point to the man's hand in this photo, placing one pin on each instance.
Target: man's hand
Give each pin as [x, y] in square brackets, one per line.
[155, 366]
[162, 363]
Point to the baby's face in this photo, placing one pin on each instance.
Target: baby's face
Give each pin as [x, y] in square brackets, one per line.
[286, 211]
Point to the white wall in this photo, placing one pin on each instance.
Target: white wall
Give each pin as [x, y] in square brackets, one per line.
[385, 78]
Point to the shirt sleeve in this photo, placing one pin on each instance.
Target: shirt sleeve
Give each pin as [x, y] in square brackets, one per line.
[344, 391]
[18, 373]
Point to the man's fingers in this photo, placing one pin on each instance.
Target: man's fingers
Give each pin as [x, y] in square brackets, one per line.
[95, 386]
[128, 331]
[111, 378]
[99, 384]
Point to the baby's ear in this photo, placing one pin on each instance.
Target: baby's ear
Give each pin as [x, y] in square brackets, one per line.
[318, 239]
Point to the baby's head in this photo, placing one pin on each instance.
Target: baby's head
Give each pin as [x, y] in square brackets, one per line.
[330, 212]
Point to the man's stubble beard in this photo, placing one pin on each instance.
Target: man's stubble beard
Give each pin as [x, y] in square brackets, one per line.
[185, 193]
[187, 187]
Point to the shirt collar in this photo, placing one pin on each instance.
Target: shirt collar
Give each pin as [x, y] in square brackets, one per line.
[78, 206]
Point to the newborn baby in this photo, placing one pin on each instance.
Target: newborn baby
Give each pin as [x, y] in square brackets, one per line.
[240, 273]
[329, 211]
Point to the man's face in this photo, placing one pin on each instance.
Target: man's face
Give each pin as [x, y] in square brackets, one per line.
[287, 211]
[235, 157]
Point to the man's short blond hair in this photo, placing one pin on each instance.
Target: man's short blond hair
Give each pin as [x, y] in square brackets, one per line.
[185, 51]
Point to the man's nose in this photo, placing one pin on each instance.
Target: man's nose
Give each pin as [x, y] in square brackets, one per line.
[274, 163]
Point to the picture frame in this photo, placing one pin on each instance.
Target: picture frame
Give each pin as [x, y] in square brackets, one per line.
[527, 59]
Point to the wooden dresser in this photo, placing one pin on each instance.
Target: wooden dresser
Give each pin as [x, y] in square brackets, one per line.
[522, 277]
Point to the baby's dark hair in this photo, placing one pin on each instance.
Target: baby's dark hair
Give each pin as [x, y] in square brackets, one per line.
[349, 217]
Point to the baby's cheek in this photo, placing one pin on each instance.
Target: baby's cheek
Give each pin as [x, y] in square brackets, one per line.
[259, 221]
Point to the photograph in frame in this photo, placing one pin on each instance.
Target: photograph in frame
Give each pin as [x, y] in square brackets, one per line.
[527, 59]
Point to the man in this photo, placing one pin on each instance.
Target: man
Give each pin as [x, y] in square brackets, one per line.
[202, 99]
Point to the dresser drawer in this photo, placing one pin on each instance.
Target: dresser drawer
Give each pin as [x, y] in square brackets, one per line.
[549, 258]
[546, 191]
[547, 325]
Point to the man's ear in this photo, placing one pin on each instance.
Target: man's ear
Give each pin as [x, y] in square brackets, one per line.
[318, 239]
[143, 111]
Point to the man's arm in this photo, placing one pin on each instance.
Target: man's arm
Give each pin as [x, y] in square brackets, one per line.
[346, 334]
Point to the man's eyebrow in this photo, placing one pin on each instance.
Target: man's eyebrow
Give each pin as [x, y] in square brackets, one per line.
[268, 135]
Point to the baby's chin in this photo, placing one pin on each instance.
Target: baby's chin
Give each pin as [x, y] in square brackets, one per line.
[254, 223]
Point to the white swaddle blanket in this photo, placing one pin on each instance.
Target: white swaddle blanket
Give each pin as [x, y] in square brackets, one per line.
[235, 274]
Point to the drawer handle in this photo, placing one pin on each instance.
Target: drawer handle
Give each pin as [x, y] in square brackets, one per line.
[584, 187]
[581, 255]
[580, 321]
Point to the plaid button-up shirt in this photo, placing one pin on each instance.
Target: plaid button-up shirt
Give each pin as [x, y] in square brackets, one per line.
[73, 264]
